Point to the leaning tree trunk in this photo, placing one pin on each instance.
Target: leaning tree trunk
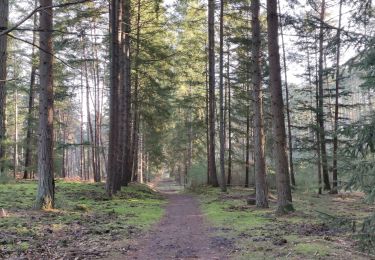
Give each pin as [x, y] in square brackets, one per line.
[284, 198]
[4, 16]
[46, 185]
[259, 139]
[211, 82]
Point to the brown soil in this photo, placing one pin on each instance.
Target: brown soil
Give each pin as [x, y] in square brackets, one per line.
[181, 234]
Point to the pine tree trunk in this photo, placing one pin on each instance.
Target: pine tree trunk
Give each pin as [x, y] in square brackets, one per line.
[290, 137]
[284, 198]
[113, 149]
[207, 121]
[4, 16]
[221, 101]
[126, 168]
[323, 148]
[46, 185]
[229, 119]
[82, 172]
[28, 142]
[335, 137]
[15, 155]
[90, 132]
[135, 131]
[211, 82]
[247, 140]
[259, 139]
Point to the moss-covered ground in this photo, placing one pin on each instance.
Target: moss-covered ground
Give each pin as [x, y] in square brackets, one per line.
[322, 227]
[85, 224]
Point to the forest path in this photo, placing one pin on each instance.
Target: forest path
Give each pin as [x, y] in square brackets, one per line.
[182, 233]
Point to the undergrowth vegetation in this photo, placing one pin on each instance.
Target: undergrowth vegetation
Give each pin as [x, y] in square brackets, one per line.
[86, 222]
[325, 226]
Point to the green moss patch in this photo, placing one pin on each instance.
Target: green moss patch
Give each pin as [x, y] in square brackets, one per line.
[85, 221]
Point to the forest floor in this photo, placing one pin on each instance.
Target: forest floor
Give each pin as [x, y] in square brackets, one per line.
[86, 224]
[322, 227]
[165, 222]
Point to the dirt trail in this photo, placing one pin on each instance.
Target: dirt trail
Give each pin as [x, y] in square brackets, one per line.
[181, 234]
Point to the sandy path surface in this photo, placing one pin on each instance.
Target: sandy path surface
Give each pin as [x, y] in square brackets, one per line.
[182, 233]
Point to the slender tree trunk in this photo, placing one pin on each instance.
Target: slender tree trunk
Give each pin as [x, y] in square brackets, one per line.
[323, 148]
[319, 161]
[28, 142]
[46, 185]
[259, 139]
[247, 140]
[284, 198]
[63, 125]
[135, 131]
[229, 119]
[335, 137]
[90, 131]
[207, 124]
[96, 81]
[4, 16]
[15, 158]
[221, 101]
[290, 137]
[211, 82]
[82, 148]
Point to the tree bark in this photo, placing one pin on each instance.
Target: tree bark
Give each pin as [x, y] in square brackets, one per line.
[290, 137]
[46, 185]
[229, 119]
[223, 183]
[113, 151]
[336, 121]
[247, 139]
[323, 148]
[28, 142]
[284, 198]
[211, 82]
[135, 131]
[15, 155]
[259, 139]
[126, 168]
[4, 16]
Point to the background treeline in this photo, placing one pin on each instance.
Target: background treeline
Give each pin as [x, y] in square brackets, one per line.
[166, 108]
